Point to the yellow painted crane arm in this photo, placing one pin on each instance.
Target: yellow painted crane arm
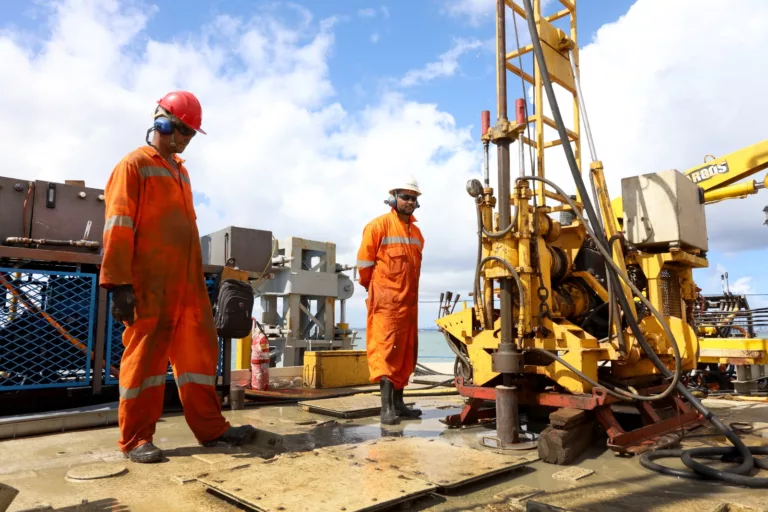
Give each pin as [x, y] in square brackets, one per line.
[727, 170]
[718, 177]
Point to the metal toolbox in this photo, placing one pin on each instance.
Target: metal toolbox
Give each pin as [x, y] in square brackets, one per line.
[250, 248]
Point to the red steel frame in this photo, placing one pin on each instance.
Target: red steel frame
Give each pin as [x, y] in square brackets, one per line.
[634, 442]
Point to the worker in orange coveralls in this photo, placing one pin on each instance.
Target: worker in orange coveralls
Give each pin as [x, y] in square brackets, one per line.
[389, 263]
[152, 263]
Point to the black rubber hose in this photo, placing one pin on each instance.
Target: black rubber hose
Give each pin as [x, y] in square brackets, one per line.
[515, 275]
[732, 476]
[600, 240]
[479, 256]
[499, 234]
[582, 189]
[615, 272]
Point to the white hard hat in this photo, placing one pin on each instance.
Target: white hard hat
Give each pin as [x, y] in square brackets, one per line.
[408, 184]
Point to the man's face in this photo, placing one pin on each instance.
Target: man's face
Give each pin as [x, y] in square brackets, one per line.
[406, 201]
[182, 135]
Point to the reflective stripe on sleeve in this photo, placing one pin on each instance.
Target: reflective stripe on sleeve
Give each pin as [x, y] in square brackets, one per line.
[118, 221]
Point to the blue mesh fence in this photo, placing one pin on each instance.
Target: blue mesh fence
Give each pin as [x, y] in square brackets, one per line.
[47, 321]
[115, 348]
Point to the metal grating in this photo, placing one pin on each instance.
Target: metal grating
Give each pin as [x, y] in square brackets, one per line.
[47, 320]
[115, 348]
[670, 290]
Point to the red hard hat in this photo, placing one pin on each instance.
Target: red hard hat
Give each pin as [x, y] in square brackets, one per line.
[185, 106]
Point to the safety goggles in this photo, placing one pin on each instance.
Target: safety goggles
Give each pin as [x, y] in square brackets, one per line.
[407, 197]
[185, 130]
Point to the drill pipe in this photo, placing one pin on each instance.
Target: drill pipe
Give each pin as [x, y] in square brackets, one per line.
[508, 355]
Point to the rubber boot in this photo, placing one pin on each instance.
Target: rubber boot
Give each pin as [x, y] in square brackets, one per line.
[145, 453]
[388, 413]
[234, 435]
[403, 410]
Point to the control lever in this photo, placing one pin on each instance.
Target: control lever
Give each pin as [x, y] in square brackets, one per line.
[87, 230]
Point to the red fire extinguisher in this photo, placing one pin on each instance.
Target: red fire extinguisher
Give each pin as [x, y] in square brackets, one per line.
[259, 358]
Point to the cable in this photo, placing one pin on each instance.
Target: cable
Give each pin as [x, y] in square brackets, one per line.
[611, 265]
[733, 475]
[516, 276]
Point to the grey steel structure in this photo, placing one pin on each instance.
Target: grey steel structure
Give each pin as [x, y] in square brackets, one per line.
[298, 301]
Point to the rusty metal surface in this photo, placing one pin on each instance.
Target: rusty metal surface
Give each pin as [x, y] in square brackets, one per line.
[642, 439]
[64, 256]
[12, 218]
[67, 216]
[433, 460]
[315, 481]
[47, 255]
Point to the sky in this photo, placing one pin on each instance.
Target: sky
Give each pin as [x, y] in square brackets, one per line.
[315, 109]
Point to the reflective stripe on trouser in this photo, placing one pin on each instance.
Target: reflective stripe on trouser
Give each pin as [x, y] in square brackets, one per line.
[194, 357]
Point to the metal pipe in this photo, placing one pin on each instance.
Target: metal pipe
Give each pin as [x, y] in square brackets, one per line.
[485, 124]
[507, 417]
[505, 211]
[42, 241]
[582, 107]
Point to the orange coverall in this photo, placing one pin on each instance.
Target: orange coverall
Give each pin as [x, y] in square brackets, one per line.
[151, 241]
[389, 263]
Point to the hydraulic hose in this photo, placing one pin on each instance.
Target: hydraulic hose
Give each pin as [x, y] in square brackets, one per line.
[617, 273]
[479, 256]
[733, 475]
[502, 233]
[515, 275]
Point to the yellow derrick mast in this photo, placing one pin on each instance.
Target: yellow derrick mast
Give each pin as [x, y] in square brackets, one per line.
[584, 317]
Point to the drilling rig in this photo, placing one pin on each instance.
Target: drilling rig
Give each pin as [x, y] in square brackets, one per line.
[587, 319]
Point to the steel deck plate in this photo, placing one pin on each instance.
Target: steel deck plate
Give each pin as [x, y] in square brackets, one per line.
[357, 406]
[324, 480]
[438, 462]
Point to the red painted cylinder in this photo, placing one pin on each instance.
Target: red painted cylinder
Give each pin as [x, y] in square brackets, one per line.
[485, 121]
[520, 117]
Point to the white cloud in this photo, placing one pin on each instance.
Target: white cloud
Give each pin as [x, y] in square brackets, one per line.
[285, 156]
[282, 153]
[670, 101]
[367, 13]
[375, 37]
[384, 11]
[446, 65]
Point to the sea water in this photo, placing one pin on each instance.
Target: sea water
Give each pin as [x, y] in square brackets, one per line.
[432, 346]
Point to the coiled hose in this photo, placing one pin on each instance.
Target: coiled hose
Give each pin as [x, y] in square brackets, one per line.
[732, 475]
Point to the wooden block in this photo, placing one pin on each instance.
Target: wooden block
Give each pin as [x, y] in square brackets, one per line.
[566, 417]
[76, 183]
[561, 446]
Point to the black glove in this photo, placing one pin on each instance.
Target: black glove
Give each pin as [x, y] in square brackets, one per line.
[123, 303]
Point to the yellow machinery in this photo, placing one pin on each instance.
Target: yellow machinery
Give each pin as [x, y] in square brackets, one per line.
[720, 179]
[584, 318]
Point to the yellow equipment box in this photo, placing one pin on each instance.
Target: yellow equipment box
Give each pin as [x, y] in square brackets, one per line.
[335, 368]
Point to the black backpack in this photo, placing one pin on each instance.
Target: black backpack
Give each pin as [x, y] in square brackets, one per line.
[234, 306]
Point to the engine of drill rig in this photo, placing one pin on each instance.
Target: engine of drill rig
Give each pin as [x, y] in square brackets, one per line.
[561, 301]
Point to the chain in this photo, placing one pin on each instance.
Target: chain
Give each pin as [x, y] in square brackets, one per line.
[542, 291]
[544, 312]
